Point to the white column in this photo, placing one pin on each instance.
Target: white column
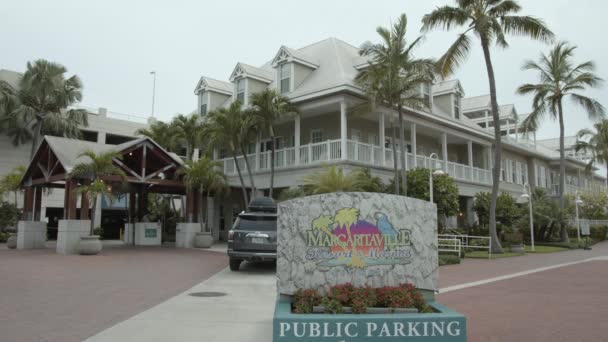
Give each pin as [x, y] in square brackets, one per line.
[296, 138]
[343, 131]
[470, 152]
[381, 138]
[508, 128]
[489, 163]
[444, 151]
[487, 121]
[414, 143]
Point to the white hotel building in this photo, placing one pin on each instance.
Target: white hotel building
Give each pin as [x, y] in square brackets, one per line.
[319, 78]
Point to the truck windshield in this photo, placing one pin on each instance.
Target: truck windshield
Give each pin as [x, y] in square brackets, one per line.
[256, 223]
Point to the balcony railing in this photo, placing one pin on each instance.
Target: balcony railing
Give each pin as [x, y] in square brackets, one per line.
[367, 154]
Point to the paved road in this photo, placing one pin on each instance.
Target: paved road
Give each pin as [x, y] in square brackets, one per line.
[49, 297]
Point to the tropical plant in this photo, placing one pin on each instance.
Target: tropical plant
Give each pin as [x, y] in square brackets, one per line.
[201, 177]
[9, 215]
[268, 107]
[163, 134]
[445, 192]
[95, 166]
[490, 21]
[394, 78]
[595, 205]
[331, 179]
[41, 105]
[507, 211]
[290, 193]
[595, 143]
[11, 182]
[187, 131]
[560, 78]
[227, 128]
[366, 182]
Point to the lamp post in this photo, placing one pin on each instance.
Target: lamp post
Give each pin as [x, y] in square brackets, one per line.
[153, 73]
[578, 221]
[528, 196]
[433, 172]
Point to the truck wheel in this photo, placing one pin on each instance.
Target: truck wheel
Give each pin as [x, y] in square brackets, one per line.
[235, 264]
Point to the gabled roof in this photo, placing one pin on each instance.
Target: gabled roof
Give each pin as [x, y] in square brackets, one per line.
[210, 84]
[475, 103]
[296, 56]
[445, 87]
[244, 70]
[507, 111]
[11, 77]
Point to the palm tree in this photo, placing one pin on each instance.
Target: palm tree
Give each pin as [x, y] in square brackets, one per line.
[225, 130]
[187, 130]
[331, 179]
[594, 142]
[40, 105]
[164, 134]
[394, 78]
[490, 21]
[560, 79]
[268, 107]
[11, 182]
[201, 176]
[97, 166]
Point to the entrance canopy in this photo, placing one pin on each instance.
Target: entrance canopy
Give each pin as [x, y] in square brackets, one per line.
[149, 169]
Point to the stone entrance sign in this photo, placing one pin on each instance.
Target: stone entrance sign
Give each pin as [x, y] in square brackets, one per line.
[360, 238]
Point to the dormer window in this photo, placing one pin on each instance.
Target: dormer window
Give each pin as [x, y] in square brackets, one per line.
[240, 90]
[457, 111]
[285, 78]
[204, 104]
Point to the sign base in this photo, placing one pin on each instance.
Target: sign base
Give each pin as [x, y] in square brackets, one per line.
[442, 325]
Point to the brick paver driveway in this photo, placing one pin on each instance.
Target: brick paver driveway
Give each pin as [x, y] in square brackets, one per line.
[50, 297]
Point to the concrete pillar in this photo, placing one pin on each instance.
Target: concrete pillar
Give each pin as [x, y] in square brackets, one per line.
[31, 234]
[184, 234]
[297, 139]
[69, 234]
[101, 137]
[414, 143]
[470, 152]
[381, 138]
[444, 151]
[210, 219]
[343, 132]
[148, 234]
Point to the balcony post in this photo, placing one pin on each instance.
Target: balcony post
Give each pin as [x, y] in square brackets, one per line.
[470, 152]
[296, 138]
[414, 143]
[343, 131]
[381, 138]
[444, 151]
[257, 153]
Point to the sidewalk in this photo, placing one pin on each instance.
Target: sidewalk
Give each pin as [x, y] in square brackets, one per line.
[243, 314]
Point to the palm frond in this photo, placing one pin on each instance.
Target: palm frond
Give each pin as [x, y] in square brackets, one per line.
[527, 26]
[594, 109]
[445, 17]
[455, 56]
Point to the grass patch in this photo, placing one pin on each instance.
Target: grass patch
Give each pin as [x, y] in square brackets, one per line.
[448, 259]
[508, 254]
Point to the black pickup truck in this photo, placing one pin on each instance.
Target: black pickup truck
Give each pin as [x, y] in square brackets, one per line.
[253, 236]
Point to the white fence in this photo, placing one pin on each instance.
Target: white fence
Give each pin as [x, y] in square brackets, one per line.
[466, 242]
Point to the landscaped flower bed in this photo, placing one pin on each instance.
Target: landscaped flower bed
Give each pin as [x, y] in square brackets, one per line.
[346, 298]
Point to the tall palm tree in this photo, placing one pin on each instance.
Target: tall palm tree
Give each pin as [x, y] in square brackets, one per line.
[268, 107]
[200, 176]
[224, 130]
[596, 143]
[490, 21]
[559, 78]
[394, 78]
[164, 134]
[187, 130]
[41, 105]
[96, 166]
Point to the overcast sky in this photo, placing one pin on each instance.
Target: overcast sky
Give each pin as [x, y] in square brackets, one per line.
[113, 45]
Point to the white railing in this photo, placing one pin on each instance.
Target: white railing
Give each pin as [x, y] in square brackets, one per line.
[449, 245]
[367, 154]
[470, 241]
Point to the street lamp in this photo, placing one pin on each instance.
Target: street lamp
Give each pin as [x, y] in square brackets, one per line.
[528, 197]
[433, 172]
[577, 202]
[153, 73]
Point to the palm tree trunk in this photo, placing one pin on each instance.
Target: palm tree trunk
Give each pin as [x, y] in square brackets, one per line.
[207, 226]
[563, 232]
[496, 246]
[396, 177]
[403, 149]
[36, 138]
[249, 172]
[238, 170]
[94, 206]
[272, 149]
[199, 210]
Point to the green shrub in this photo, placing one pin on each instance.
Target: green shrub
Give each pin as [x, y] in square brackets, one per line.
[332, 305]
[598, 233]
[3, 237]
[304, 300]
[9, 215]
[448, 259]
